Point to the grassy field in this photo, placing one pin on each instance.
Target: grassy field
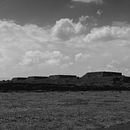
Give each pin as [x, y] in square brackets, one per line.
[63, 110]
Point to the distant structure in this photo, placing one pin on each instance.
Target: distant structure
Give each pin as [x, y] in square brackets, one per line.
[37, 79]
[90, 81]
[62, 76]
[126, 79]
[102, 74]
[19, 80]
[63, 79]
[102, 78]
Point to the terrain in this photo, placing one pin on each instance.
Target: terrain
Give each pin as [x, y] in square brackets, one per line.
[63, 110]
[101, 80]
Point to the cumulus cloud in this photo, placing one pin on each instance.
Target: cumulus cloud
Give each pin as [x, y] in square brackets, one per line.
[89, 1]
[104, 48]
[65, 29]
[38, 57]
[108, 33]
[65, 47]
[27, 46]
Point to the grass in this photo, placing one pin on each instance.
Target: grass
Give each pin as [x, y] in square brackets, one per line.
[63, 110]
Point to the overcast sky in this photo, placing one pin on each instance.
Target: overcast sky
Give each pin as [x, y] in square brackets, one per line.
[44, 37]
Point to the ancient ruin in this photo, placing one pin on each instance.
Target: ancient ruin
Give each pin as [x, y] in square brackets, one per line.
[91, 81]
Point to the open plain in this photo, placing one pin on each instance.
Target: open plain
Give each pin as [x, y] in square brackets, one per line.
[63, 110]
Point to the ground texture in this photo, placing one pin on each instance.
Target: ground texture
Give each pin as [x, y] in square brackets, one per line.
[63, 110]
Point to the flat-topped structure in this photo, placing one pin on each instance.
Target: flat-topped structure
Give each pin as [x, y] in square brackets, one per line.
[63, 79]
[126, 79]
[37, 77]
[19, 79]
[102, 74]
[62, 76]
[101, 80]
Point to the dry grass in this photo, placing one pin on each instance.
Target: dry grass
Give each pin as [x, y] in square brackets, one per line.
[63, 110]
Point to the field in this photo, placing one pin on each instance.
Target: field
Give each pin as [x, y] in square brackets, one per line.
[63, 110]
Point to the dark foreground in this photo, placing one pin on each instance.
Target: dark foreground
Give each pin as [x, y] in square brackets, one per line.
[65, 110]
[118, 127]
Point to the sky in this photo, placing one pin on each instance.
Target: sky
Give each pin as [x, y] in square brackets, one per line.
[44, 37]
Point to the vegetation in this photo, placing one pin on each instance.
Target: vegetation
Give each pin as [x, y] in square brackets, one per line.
[63, 110]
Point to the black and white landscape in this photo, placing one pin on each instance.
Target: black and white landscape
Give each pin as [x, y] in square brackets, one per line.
[96, 81]
[52, 37]
[64, 64]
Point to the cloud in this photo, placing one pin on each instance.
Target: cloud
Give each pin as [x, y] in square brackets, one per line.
[99, 12]
[65, 47]
[38, 57]
[27, 47]
[89, 1]
[108, 33]
[65, 29]
[83, 19]
[105, 45]
[87, 20]
[120, 24]
[80, 57]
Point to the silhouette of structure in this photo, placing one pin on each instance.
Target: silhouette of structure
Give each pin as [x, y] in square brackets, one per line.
[18, 80]
[91, 81]
[36, 79]
[102, 74]
[63, 79]
[101, 79]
